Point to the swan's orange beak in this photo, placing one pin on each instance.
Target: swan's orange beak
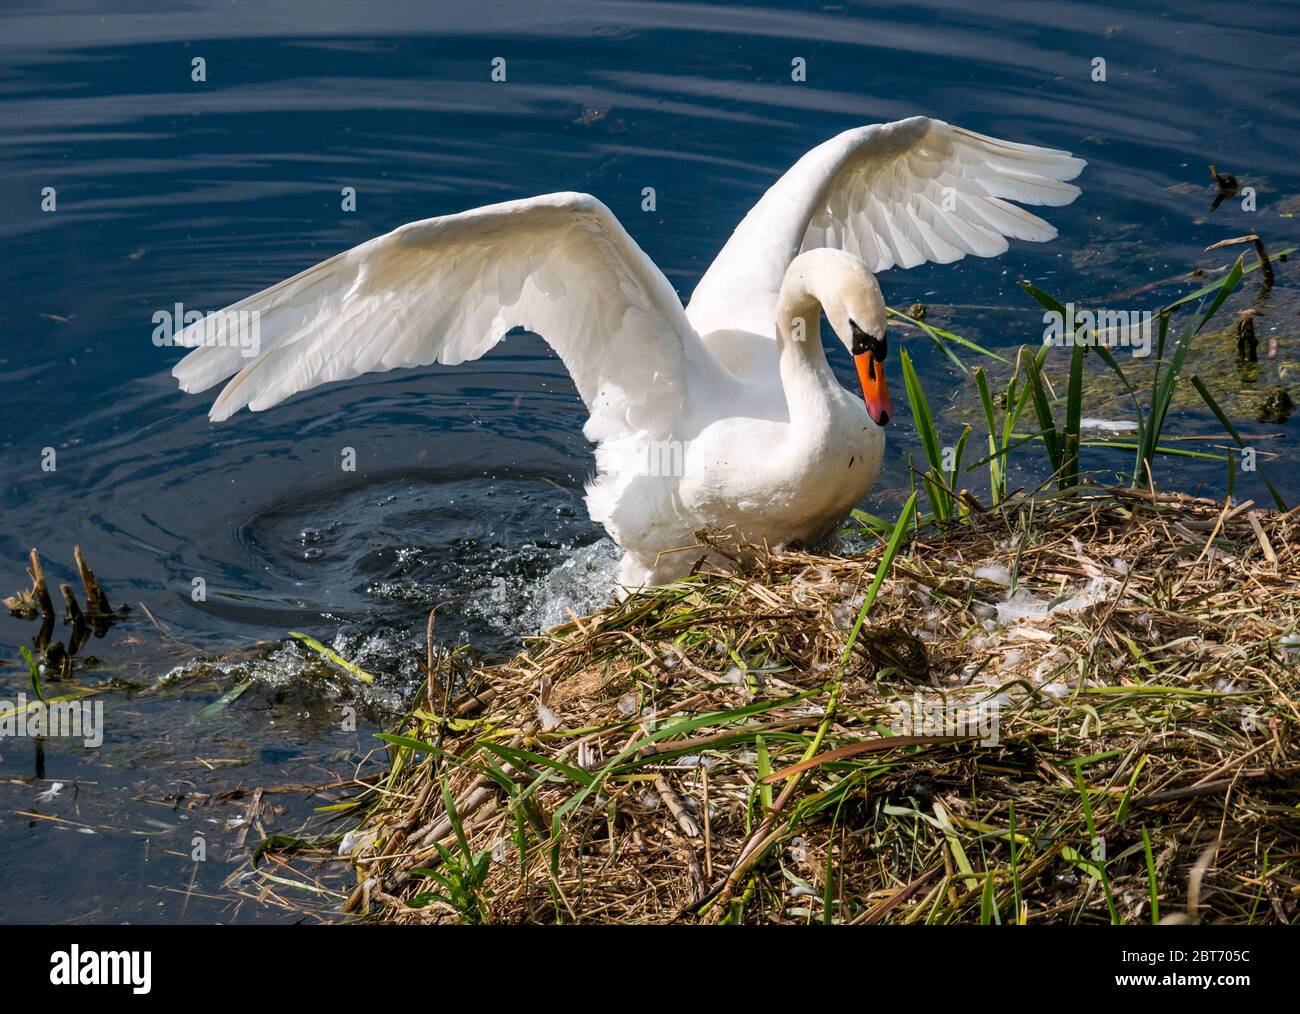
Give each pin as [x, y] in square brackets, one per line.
[874, 388]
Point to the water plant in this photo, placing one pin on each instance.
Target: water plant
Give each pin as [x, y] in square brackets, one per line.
[1061, 438]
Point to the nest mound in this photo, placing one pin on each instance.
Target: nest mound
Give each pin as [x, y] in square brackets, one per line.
[1082, 709]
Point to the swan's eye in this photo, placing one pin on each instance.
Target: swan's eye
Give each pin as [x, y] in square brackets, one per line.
[864, 342]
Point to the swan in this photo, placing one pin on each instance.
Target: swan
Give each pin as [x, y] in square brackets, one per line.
[721, 415]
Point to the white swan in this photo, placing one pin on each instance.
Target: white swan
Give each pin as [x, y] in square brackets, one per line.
[721, 415]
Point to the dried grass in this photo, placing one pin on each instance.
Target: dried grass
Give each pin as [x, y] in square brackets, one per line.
[699, 754]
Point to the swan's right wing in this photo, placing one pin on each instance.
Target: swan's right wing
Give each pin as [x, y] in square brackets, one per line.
[894, 194]
[446, 290]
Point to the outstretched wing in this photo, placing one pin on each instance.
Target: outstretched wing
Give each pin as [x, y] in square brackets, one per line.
[447, 289]
[895, 194]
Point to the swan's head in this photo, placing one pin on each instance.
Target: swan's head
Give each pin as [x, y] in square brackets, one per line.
[849, 295]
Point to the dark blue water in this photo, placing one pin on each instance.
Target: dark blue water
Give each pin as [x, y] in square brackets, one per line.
[467, 486]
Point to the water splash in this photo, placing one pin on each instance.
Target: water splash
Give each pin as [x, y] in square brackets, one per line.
[581, 583]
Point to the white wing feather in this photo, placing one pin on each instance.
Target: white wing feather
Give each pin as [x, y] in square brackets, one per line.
[447, 289]
[895, 194]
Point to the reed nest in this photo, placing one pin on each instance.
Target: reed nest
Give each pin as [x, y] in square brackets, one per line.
[1081, 708]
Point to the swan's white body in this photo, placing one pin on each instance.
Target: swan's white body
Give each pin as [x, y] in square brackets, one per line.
[721, 415]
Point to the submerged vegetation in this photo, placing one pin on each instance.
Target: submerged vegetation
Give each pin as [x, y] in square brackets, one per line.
[1068, 704]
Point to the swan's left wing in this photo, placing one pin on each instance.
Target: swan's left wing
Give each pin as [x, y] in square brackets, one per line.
[446, 290]
[895, 194]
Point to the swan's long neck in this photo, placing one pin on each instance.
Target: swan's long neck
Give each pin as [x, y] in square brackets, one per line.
[805, 374]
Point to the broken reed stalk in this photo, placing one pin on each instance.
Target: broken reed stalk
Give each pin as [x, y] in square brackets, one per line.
[41, 592]
[74, 618]
[40, 589]
[96, 601]
[1266, 274]
[97, 617]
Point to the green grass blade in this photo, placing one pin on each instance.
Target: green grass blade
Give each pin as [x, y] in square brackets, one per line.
[958, 453]
[333, 656]
[34, 671]
[997, 468]
[1002, 452]
[1219, 414]
[940, 502]
[1226, 288]
[1109, 360]
[764, 769]
[1205, 290]
[1073, 415]
[1015, 869]
[224, 701]
[526, 760]
[1151, 877]
[939, 336]
[987, 906]
[1047, 301]
[1163, 390]
[901, 527]
[1042, 408]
